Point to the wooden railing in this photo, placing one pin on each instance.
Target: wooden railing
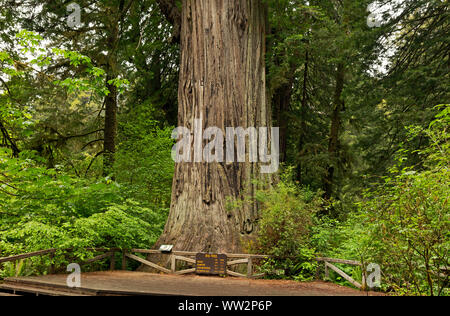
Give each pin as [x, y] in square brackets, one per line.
[27, 255]
[175, 256]
[108, 253]
[328, 265]
[187, 256]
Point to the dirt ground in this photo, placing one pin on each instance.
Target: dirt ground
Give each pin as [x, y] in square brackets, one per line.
[139, 283]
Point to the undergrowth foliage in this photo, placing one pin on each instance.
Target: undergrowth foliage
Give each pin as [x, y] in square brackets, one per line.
[44, 208]
[402, 224]
[287, 215]
[407, 218]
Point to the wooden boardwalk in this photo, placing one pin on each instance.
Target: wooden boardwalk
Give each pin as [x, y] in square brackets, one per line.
[124, 283]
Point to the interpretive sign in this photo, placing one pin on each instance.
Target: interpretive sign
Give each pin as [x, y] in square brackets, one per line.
[211, 264]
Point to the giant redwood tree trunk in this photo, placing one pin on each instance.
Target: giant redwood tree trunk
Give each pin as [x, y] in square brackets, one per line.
[222, 82]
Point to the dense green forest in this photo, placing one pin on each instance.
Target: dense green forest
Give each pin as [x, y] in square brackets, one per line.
[359, 89]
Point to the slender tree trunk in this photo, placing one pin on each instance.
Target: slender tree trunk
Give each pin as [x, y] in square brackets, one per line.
[282, 102]
[334, 132]
[303, 109]
[222, 82]
[109, 144]
[155, 82]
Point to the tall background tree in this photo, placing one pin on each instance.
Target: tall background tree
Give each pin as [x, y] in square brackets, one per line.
[124, 39]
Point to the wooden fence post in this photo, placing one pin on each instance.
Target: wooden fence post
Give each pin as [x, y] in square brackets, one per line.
[173, 264]
[112, 265]
[327, 273]
[363, 279]
[124, 260]
[250, 267]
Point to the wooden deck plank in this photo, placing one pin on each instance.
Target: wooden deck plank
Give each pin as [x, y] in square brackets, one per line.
[139, 283]
[21, 288]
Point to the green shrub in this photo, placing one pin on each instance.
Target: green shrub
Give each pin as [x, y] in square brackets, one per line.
[287, 213]
[404, 224]
[44, 208]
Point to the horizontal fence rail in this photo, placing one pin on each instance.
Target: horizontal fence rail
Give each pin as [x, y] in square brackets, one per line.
[176, 256]
[328, 265]
[109, 253]
[192, 253]
[27, 255]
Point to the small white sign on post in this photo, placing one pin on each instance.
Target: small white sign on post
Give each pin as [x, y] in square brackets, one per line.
[166, 248]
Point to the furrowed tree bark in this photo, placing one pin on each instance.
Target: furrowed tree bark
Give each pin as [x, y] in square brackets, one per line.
[222, 82]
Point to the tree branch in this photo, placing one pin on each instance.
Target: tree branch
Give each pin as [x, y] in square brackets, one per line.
[92, 161]
[64, 138]
[173, 15]
[92, 142]
[8, 138]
